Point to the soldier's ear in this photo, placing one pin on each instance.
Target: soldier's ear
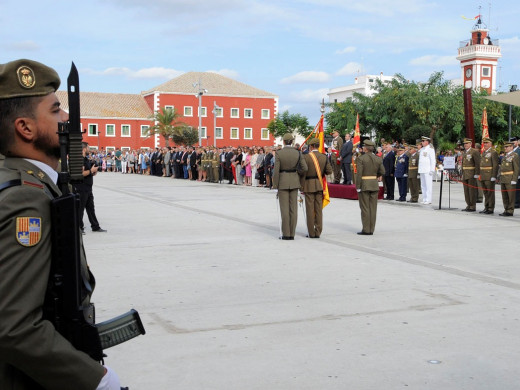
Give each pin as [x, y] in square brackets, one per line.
[25, 128]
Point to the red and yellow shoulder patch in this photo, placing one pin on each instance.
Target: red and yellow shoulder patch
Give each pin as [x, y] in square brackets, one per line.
[28, 230]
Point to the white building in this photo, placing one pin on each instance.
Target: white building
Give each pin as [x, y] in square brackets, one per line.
[362, 84]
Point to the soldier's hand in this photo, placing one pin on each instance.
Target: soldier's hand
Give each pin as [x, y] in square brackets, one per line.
[513, 183]
[493, 179]
[110, 380]
[431, 173]
[475, 176]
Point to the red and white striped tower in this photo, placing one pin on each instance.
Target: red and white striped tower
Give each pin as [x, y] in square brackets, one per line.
[478, 58]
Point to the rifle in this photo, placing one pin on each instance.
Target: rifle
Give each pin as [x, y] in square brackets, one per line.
[67, 287]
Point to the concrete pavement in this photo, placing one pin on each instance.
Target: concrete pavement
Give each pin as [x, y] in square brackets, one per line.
[430, 301]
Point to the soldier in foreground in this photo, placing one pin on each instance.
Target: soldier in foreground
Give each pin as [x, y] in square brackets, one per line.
[470, 173]
[33, 355]
[370, 171]
[509, 171]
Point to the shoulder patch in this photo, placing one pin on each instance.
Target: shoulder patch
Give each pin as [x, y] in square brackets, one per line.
[32, 184]
[28, 230]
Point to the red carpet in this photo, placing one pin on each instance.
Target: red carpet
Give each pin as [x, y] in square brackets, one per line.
[348, 192]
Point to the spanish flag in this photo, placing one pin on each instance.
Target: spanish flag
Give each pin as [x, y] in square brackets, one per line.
[356, 141]
[485, 129]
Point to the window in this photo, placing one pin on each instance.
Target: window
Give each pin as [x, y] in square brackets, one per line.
[203, 132]
[110, 130]
[486, 71]
[169, 108]
[125, 149]
[219, 132]
[234, 133]
[235, 113]
[125, 130]
[144, 130]
[266, 114]
[188, 111]
[265, 134]
[248, 133]
[92, 130]
[219, 111]
[248, 112]
[203, 111]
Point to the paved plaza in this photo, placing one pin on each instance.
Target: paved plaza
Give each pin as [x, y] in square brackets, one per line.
[430, 301]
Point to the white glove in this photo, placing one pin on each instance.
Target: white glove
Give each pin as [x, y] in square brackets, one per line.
[405, 175]
[513, 183]
[475, 176]
[431, 173]
[110, 381]
[358, 190]
[493, 179]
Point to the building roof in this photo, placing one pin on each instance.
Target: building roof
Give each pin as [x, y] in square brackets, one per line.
[214, 83]
[109, 105]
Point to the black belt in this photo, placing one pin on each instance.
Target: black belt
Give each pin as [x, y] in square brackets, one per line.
[311, 177]
[287, 170]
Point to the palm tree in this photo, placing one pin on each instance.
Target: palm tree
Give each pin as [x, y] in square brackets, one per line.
[165, 123]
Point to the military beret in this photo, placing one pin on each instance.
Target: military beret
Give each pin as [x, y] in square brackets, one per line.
[508, 144]
[288, 137]
[423, 138]
[367, 142]
[412, 146]
[467, 141]
[486, 139]
[26, 78]
[313, 142]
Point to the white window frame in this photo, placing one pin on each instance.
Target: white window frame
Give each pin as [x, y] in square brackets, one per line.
[245, 132]
[488, 68]
[221, 132]
[190, 108]
[110, 149]
[125, 148]
[231, 133]
[231, 112]
[203, 112]
[220, 112]
[266, 113]
[246, 110]
[93, 126]
[147, 127]
[203, 132]
[262, 133]
[113, 127]
[129, 130]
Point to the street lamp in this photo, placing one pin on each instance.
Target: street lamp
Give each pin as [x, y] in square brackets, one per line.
[201, 91]
[512, 89]
[215, 108]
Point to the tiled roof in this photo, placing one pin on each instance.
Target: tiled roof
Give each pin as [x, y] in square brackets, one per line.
[213, 82]
[109, 105]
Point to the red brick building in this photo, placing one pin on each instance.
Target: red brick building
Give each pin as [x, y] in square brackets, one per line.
[122, 120]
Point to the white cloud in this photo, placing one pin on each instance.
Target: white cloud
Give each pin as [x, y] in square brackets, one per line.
[350, 69]
[346, 50]
[434, 60]
[232, 74]
[510, 41]
[24, 45]
[378, 7]
[306, 77]
[145, 73]
[310, 95]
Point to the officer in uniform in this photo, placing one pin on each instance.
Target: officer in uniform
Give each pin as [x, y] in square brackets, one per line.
[470, 173]
[401, 172]
[337, 144]
[414, 182]
[480, 194]
[370, 170]
[488, 175]
[312, 186]
[215, 164]
[33, 355]
[516, 149]
[509, 171]
[289, 164]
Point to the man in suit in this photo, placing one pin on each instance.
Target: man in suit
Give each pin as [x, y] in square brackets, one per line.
[166, 162]
[488, 175]
[346, 160]
[389, 165]
[470, 173]
[370, 170]
[288, 166]
[509, 171]
[401, 172]
[33, 355]
[336, 145]
[228, 173]
[312, 187]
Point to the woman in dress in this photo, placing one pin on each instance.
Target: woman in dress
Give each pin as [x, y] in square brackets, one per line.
[254, 168]
[249, 171]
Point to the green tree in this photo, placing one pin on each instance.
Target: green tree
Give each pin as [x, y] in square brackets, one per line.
[166, 122]
[289, 123]
[341, 117]
[185, 135]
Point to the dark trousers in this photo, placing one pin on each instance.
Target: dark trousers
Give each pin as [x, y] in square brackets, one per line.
[86, 202]
[402, 183]
[390, 186]
[347, 173]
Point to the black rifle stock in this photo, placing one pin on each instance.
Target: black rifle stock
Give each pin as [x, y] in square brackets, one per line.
[67, 288]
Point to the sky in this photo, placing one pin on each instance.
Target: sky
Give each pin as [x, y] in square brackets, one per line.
[296, 49]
